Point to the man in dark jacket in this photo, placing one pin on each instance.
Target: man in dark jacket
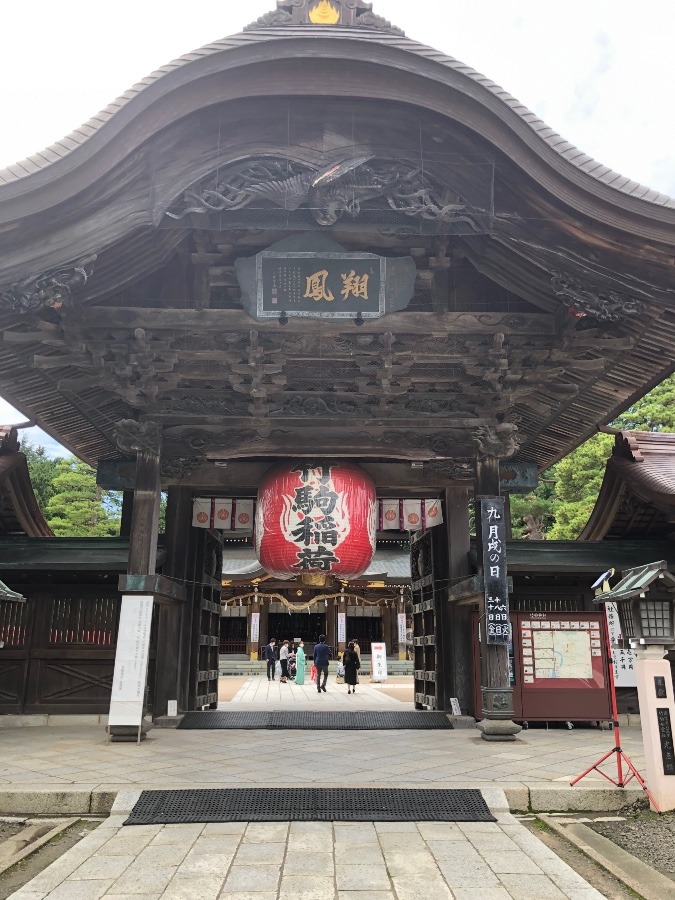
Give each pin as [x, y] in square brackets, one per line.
[271, 659]
[321, 657]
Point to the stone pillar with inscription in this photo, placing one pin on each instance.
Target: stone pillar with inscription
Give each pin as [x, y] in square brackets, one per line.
[497, 694]
[657, 718]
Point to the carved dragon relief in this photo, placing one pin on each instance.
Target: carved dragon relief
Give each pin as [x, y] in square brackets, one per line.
[138, 437]
[328, 192]
[50, 290]
[606, 307]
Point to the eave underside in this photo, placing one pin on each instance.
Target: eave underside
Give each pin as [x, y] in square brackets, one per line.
[518, 338]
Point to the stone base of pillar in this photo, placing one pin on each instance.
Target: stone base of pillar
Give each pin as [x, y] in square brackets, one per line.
[127, 734]
[498, 729]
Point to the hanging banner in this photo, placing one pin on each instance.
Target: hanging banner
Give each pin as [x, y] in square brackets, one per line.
[412, 515]
[624, 660]
[402, 624]
[255, 627]
[493, 533]
[433, 513]
[222, 515]
[390, 515]
[201, 512]
[131, 661]
[342, 628]
[378, 662]
[243, 516]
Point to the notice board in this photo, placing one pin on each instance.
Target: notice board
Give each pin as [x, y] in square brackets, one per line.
[560, 661]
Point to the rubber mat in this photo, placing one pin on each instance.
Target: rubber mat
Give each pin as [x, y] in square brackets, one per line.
[309, 805]
[315, 721]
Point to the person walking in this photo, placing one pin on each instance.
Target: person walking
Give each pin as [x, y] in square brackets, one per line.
[300, 663]
[271, 659]
[283, 659]
[321, 657]
[357, 650]
[352, 664]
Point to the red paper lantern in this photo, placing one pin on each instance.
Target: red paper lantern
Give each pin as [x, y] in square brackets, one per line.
[316, 518]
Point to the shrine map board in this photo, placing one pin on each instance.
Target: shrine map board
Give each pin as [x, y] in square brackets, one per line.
[561, 665]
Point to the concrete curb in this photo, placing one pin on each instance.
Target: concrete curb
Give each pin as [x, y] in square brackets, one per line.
[49, 802]
[101, 801]
[638, 876]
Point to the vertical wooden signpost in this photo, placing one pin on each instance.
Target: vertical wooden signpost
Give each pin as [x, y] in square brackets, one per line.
[496, 691]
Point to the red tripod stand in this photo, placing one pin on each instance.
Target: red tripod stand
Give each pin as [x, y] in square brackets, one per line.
[631, 772]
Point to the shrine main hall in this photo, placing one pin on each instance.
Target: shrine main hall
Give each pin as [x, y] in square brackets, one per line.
[319, 250]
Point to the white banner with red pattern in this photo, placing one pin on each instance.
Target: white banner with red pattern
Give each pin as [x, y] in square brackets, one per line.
[238, 514]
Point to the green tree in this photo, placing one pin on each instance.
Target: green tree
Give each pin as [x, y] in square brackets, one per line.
[77, 507]
[42, 472]
[564, 511]
[578, 478]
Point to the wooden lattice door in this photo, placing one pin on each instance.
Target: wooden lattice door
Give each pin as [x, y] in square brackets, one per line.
[205, 591]
[429, 598]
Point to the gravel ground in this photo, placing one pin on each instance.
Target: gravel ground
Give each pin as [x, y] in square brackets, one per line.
[646, 835]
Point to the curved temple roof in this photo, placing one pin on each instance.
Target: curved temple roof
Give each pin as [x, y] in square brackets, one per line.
[543, 307]
[257, 33]
[637, 496]
[19, 510]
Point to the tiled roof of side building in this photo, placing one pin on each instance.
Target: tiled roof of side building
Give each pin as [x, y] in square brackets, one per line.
[96, 125]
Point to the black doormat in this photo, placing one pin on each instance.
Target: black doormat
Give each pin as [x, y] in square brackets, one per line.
[309, 805]
[315, 721]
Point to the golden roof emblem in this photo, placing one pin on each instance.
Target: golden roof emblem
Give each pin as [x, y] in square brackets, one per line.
[324, 13]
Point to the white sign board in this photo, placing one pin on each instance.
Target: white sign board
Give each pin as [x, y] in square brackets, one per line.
[378, 662]
[455, 707]
[255, 627]
[131, 661]
[342, 628]
[402, 622]
[624, 660]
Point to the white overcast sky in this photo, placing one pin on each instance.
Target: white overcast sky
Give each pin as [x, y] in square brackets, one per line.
[600, 72]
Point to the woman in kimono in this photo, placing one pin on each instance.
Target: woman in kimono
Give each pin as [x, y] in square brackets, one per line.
[352, 664]
[300, 663]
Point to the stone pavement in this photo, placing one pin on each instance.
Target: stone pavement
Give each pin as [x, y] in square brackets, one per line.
[312, 861]
[78, 766]
[258, 693]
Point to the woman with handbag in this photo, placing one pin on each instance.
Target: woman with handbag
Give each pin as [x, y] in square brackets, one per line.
[351, 664]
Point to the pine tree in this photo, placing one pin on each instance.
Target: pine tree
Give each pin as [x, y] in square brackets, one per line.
[78, 508]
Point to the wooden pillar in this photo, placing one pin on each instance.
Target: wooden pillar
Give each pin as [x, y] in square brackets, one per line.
[127, 510]
[175, 625]
[145, 515]
[145, 440]
[456, 625]
[496, 690]
[331, 625]
[387, 633]
[264, 623]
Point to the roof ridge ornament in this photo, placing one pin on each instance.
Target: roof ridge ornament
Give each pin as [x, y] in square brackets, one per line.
[355, 13]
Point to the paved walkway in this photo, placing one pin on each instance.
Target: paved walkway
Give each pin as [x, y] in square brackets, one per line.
[259, 693]
[74, 770]
[311, 861]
